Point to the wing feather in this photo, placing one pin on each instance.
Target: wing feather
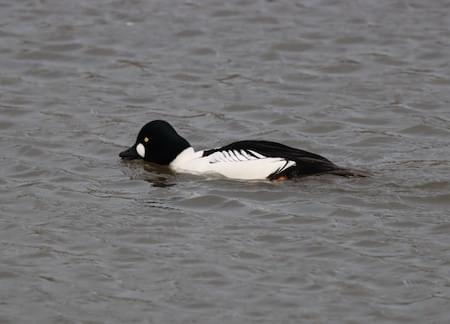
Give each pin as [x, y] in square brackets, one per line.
[234, 156]
[257, 155]
[246, 155]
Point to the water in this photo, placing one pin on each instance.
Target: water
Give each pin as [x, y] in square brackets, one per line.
[87, 238]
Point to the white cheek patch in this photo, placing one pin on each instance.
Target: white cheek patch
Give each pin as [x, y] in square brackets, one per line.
[140, 149]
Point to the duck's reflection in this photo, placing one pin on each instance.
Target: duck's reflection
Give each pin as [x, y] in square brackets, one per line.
[157, 175]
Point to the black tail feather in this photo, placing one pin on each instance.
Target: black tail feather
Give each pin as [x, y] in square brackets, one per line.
[349, 173]
[308, 167]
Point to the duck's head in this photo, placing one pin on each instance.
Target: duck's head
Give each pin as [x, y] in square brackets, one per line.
[157, 142]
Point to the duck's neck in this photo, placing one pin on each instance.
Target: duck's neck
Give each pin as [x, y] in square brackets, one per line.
[187, 155]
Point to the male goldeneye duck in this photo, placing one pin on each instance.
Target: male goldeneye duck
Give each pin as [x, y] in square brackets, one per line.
[158, 142]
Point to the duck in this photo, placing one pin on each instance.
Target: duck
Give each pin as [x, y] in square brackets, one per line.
[158, 142]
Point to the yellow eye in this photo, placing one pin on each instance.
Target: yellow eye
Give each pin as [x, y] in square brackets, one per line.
[146, 139]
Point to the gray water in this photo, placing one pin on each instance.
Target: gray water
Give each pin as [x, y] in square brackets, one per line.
[87, 238]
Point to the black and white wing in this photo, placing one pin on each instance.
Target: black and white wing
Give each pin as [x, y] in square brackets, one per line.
[271, 160]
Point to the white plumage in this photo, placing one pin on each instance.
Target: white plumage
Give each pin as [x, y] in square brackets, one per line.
[236, 164]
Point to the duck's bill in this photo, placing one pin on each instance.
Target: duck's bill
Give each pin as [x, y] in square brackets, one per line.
[129, 154]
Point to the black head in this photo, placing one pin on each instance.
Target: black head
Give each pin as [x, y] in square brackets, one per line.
[157, 142]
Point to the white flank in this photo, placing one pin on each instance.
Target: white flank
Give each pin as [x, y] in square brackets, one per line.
[232, 164]
[140, 149]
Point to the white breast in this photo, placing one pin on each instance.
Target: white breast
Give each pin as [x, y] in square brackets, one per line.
[237, 164]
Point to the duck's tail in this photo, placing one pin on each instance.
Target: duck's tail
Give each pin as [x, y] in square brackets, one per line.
[344, 172]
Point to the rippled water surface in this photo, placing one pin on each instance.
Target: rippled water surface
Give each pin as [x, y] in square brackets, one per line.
[87, 238]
